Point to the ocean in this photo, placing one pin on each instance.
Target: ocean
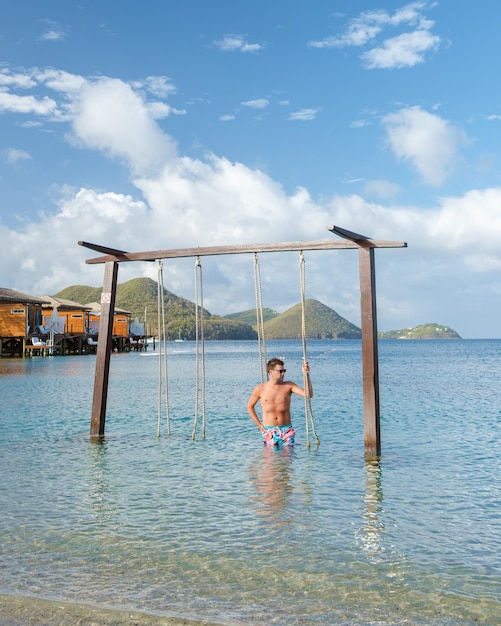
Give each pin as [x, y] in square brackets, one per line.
[221, 530]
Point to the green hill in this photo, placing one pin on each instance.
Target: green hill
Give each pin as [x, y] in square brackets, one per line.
[322, 322]
[80, 294]
[249, 316]
[139, 297]
[425, 331]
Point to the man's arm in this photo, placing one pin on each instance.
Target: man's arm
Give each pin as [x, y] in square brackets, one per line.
[309, 386]
[308, 391]
[251, 407]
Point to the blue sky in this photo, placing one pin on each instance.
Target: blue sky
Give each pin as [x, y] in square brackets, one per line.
[158, 125]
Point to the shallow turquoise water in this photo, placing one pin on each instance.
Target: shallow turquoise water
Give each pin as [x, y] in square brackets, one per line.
[224, 529]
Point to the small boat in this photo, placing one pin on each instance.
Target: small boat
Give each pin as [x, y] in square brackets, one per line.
[179, 339]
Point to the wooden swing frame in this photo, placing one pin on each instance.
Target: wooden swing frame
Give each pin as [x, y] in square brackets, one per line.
[350, 240]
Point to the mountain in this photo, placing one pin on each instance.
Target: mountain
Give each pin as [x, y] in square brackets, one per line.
[139, 297]
[80, 293]
[249, 316]
[425, 331]
[322, 322]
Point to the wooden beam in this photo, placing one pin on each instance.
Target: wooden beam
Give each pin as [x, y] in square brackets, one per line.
[103, 249]
[349, 243]
[104, 349]
[152, 255]
[347, 234]
[362, 240]
[370, 362]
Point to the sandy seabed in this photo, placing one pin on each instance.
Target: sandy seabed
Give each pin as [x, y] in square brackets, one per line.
[23, 611]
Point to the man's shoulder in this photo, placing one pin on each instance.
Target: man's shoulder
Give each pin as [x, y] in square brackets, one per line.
[259, 387]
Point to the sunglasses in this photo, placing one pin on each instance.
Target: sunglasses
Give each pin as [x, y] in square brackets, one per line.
[280, 371]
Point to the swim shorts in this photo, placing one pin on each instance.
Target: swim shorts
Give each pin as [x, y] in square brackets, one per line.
[279, 435]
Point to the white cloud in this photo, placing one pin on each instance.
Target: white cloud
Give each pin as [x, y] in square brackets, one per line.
[53, 35]
[30, 124]
[26, 104]
[383, 189]
[232, 43]
[360, 123]
[228, 117]
[55, 32]
[14, 155]
[22, 81]
[258, 103]
[304, 114]
[59, 81]
[159, 110]
[109, 116]
[351, 181]
[160, 86]
[403, 50]
[70, 86]
[426, 141]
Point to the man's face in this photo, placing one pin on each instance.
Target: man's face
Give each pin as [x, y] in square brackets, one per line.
[278, 371]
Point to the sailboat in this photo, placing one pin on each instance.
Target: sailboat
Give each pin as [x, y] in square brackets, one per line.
[179, 339]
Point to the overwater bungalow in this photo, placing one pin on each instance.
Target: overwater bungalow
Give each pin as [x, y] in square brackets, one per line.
[40, 325]
[121, 319]
[20, 313]
[64, 316]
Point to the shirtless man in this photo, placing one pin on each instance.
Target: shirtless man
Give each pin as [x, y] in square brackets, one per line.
[275, 397]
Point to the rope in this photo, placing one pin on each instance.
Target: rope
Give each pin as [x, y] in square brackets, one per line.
[261, 344]
[162, 351]
[306, 375]
[199, 349]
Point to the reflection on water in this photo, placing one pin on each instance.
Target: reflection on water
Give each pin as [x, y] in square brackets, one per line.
[12, 367]
[99, 492]
[271, 477]
[373, 525]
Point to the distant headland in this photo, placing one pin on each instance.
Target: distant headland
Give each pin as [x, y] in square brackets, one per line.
[425, 331]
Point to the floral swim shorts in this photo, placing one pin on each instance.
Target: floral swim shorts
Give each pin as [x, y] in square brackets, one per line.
[279, 435]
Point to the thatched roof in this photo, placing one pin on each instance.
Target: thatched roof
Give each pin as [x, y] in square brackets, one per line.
[11, 295]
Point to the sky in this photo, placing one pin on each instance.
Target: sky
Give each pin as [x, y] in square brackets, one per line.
[158, 124]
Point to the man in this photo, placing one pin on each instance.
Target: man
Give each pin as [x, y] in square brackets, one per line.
[275, 397]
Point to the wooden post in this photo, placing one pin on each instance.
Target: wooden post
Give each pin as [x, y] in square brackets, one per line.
[370, 364]
[104, 346]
